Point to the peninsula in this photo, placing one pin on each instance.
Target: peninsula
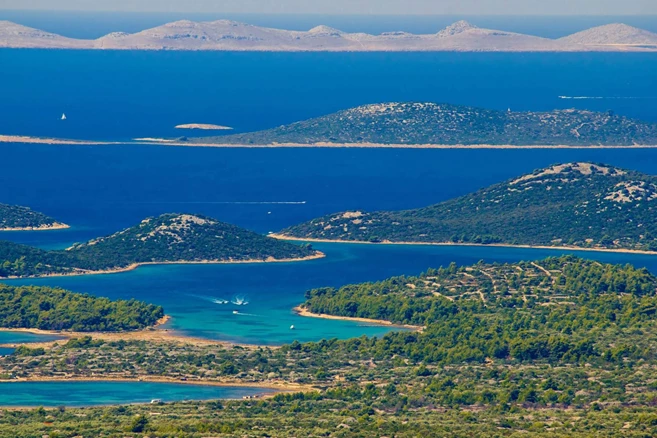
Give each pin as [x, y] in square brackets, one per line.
[169, 238]
[17, 218]
[45, 308]
[574, 205]
[415, 124]
[547, 348]
[226, 35]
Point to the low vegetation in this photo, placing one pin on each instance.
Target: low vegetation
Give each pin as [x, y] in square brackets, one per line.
[56, 309]
[581, 205]
[16, 217]
[167, 238]
[410, 123]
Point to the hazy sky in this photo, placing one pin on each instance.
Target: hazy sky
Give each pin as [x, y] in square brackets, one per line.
[455, 7]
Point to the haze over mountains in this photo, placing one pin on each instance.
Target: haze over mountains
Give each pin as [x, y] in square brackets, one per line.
[236, 36]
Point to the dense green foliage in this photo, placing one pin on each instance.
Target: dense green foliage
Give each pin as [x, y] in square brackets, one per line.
[16, 217]
[563, 309]
[56, 309]
[576, 204]
[167, 238]
[442, 124]
[558, 347]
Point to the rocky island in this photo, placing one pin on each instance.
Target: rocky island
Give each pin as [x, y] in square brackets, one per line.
[169, 238]
[574, 205]
[17, 218]
[415, 124]
[235, 36]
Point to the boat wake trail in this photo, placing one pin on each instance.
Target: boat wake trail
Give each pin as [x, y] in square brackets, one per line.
[211, 299]
[606, 97]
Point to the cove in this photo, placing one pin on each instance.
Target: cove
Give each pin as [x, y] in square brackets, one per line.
[192, 294]
[97, 393]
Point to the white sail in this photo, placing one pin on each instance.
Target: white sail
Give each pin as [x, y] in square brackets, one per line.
[63, 116]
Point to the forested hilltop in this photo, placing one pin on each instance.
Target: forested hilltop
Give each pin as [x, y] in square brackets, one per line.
[562, 347]
[162, 239]
[581, 205]
[14, 217]
[443, 124]
[48, 308]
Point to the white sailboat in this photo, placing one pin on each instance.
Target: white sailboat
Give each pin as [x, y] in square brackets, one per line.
[63, 116]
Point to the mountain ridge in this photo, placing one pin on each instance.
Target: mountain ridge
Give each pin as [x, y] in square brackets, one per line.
[576, 205]
[429, 123]
[236, 36]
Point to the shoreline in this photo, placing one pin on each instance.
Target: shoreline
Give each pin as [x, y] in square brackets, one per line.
[54, 226]
[148, 334]
[152, 141]
[302, 311]
[133, 266]
[496, 245]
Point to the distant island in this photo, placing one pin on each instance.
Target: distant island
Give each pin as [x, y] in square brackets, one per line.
[574, 205]
[45, 308]
[169, 238]
[416, 124]
[423, 125]
[234, 36]
[204, 126]
[17, 218]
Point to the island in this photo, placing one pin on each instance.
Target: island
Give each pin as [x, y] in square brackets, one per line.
[169, 238]
[204, 126]
[574, 205]
[45, 308]
[427, 124]
[17, 218]
[558, 347]
[235, 36]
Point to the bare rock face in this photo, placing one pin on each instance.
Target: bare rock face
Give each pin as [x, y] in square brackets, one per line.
[235, 36]
[610, 34]
[456, 28]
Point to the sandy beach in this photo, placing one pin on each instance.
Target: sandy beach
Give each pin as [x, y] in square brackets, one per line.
[204, 126]
[301, 311]
[132, 267]
[174, 142]
[54, 226]
[152, 334]
[499, 245]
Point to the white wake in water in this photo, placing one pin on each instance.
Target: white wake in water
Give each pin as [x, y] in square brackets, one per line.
[606, 97]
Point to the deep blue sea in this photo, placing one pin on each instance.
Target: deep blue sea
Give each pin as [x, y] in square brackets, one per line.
[121, 95]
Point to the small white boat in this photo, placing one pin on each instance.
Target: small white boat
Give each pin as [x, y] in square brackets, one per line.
[235, 312]
[292, 327]
[63, 116]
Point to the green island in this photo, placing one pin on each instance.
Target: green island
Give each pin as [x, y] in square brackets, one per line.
[169, 238]
[14, 217]
[561, 347]
[575, 205]
[45, 308]
[413, 124]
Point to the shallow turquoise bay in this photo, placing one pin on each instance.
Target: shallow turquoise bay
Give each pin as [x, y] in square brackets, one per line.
[188, 292]
[47, 394]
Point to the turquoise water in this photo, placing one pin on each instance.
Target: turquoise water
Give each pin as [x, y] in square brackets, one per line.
[9, 337]
[273, 289]
[21, 338]
[49, 394]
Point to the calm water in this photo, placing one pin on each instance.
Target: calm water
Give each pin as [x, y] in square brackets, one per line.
[122, 94]
[101, 189]
[21, 338]
[49, 394]
[119, 95]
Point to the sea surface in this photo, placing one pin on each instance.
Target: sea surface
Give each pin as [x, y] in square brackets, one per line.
[100, 190]
[8, 337]
[94, 393]
[119, 95]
